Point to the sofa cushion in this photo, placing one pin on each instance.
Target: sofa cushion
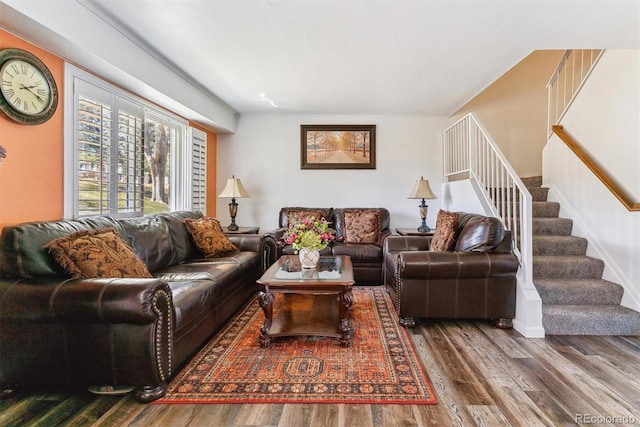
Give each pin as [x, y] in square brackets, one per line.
[21, 253]
[299, 215]
[362, 226]
[209, 237]
[359, 253]
[480, 234]
[149, 236]
[444, 236]
[96, 253]
[286, 213]
[184, 246]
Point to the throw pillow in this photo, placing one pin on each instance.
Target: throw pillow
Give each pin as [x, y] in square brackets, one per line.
[444, 236]
[298, 215]
[362, 226]
[209, 237]
[480, 234]
[96, 253]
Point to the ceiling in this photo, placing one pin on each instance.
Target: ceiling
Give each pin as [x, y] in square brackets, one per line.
[373, 57]
[365, 56]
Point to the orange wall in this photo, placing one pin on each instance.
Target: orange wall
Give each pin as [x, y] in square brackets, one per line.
[31, 175]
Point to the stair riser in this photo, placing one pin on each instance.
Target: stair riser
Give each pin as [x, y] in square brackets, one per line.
[559, 245]
[545, 209]
[604, 320]
[580, 268]
[587, 292]
[539, 194]
[552, 227]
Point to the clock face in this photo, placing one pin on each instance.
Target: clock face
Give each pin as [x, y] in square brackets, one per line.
[28, 92]
[25, 87]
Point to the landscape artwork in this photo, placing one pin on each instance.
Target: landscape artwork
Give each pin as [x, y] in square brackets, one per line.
[338, 146]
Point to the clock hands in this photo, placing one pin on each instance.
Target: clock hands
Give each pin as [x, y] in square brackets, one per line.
[32, 92]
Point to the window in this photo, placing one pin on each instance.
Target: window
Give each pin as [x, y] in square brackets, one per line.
[127, 157]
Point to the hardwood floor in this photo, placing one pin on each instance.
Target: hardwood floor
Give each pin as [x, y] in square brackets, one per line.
[481, 376]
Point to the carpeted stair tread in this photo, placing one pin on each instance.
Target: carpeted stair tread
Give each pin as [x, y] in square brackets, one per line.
[559, 245]
[579, 291]
[567, 266]
[532, 181]
[545, 209]
[590, 320]
[552, 226]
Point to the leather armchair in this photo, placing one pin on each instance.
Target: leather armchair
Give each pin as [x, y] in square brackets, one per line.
[477, 283]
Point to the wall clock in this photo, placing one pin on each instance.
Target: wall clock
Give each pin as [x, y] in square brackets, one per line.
[28, 93]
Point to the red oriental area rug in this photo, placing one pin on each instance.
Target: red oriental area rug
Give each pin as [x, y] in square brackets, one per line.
[380, 366]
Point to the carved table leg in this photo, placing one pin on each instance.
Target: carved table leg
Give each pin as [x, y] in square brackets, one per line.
[345, 301]
[266, 302]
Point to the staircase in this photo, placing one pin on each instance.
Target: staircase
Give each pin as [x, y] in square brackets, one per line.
[575, 298]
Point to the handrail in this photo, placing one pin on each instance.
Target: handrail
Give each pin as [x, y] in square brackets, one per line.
[567, 80]
[602, 175]
[470, 149]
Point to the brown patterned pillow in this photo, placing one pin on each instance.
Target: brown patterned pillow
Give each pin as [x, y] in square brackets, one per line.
[446, 225]
[209, 237]
[96, 253]
[362, 226]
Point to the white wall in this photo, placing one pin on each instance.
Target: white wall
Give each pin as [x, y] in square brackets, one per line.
[605, 121]
[265, 154]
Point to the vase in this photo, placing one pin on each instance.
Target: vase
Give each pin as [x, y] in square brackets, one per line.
[309, 257]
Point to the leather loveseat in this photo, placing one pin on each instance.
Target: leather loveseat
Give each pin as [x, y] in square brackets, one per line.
[365, 250]
[475, 280]
[136, 332]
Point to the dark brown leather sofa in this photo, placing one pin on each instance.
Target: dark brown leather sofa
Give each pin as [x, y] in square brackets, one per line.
[477, 280]
[366, 257]
[63, 332]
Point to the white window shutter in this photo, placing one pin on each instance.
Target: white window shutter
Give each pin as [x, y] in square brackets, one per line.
[198, 146]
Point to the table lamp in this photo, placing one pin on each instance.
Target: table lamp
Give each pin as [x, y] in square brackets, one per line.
[233, 189]
[422, 191]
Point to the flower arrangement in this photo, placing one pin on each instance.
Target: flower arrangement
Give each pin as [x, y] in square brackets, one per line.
[309, 233]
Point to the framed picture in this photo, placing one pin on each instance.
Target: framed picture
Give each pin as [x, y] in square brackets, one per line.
[337, 146]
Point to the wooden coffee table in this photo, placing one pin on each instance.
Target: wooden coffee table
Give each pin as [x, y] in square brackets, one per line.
[315, 302]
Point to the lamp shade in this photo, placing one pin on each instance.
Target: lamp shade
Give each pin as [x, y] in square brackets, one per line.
[422, 190]
[234, 189]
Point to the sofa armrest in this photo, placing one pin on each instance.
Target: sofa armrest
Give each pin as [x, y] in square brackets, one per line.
[248, 242]
[395, 243]
[383, 237]
[133, 301]
[277, 235]
[427, 265]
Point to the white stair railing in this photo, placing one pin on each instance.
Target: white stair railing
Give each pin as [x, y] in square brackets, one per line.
[566, 81]
[470, 150]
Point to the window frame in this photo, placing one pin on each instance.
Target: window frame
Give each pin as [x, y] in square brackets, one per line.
[182, 167]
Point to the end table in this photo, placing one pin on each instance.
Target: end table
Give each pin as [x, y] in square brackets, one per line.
[241, 230]
[414, 232]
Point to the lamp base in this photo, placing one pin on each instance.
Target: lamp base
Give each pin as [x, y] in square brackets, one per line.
[424, 228]
[233, 211]
[423, 214]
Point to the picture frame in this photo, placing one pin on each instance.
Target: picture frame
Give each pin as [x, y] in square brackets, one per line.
[337, 146]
